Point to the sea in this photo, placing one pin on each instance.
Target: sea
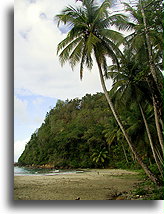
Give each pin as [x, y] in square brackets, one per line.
[22, 171]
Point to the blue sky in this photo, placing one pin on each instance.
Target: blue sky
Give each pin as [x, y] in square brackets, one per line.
[30, 111]
[29, 114]
[39, 79]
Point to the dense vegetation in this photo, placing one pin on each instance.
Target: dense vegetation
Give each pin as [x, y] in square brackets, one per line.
[72, 135]
[127, 126]
[82, 133]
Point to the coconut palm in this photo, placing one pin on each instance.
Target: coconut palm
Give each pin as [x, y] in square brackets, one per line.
[100, 156]
[146, 42]
[157, 112]
[90, 35]
[130, 87]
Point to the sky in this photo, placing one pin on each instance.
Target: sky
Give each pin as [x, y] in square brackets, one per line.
[39, 79]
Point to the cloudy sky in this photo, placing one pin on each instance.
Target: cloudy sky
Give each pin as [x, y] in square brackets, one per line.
[39, 79]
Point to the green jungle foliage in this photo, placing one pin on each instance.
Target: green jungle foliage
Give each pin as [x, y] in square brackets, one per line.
[82, 133]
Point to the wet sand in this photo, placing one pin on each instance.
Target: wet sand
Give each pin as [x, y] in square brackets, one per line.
[99, 184]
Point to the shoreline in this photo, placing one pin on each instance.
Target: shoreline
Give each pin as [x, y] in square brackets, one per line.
[95, 184]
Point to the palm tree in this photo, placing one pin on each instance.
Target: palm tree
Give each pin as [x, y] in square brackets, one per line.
[146, 42]
[130, 87]
[90, 35]
[99, 156]
[153, 72]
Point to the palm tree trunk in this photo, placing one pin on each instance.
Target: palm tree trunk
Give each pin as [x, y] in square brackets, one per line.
[151, 142]
[160, 137]
[159, 156]
[133, 158]
[126, 158]
[137, 156]
[157, 105]
[161, 123]
[150, 56]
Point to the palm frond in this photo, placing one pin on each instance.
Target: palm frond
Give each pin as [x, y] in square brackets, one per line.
[74, 33]
[76, 54]
[65, 54]
[121, 22]
[111, 50]
[113, 35]
[133, 12]
[91, 42]
[102, 11]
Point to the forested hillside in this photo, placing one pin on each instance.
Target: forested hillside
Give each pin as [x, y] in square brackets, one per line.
[82, 133]
[71, 134]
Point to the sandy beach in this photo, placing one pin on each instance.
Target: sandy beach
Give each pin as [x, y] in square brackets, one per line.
[94, 184]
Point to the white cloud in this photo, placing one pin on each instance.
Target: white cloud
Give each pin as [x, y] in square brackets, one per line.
[19, 147]
[37, 66]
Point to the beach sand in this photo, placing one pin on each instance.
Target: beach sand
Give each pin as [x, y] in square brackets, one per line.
[95, 184]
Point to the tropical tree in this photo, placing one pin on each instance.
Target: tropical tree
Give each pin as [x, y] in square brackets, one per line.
[157, 110]
[146, 43]
[90, 35]
[100, 156]
[129, 86]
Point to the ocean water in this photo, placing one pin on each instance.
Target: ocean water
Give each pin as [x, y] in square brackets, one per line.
[38, 172]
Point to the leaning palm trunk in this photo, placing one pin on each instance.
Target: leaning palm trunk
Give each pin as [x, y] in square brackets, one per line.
[137, 156]
[126, 158]
[157, 105]
[159, 156]
[150, 56]
[153, 72]
[151, 142]
[160, 137]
